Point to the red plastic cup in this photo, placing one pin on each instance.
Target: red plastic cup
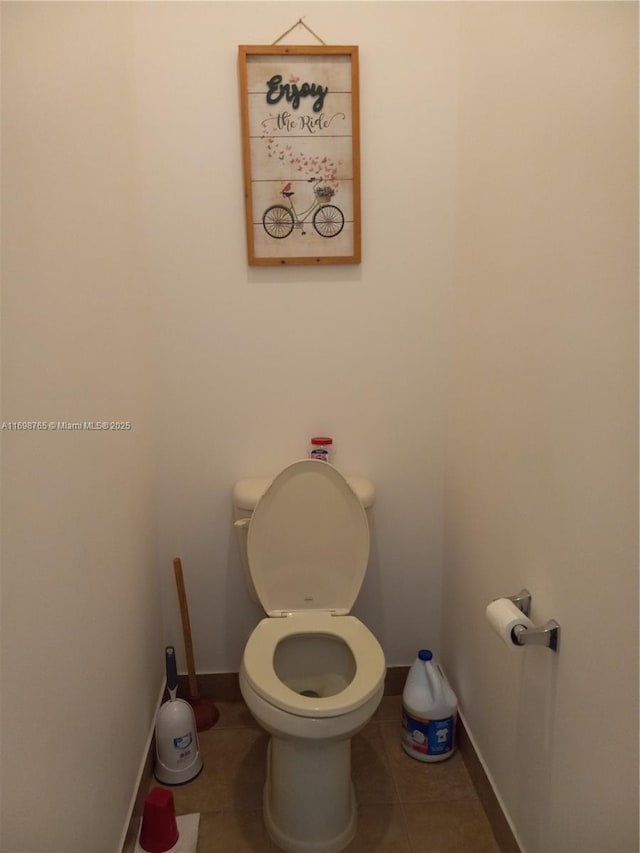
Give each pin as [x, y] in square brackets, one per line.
[159, 826]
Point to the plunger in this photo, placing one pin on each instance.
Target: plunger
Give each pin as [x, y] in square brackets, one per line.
[204, 710]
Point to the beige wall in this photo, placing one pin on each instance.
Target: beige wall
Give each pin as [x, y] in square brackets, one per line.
[254, 361]
[542, 429]
[81, 638]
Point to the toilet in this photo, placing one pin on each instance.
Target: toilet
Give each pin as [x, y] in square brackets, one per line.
[311, 674]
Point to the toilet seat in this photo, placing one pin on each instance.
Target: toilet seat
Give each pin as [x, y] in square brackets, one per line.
[258, 662]
[308, 541]
[308, 549]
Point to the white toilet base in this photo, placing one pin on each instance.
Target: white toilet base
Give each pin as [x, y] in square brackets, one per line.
[309, 804]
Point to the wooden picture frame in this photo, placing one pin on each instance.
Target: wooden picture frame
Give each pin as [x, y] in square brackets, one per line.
[301, 153]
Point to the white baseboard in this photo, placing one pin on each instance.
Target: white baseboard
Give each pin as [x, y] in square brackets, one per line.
[124, 839]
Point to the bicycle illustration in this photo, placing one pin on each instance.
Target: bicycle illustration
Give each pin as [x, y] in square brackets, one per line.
[328, 220]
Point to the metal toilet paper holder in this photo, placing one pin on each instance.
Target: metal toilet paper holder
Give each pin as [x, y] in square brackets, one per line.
[547, 635]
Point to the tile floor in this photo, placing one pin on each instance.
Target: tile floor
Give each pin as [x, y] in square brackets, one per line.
[404, 806]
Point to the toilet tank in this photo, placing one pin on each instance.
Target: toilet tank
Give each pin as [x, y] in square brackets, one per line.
[247, 493]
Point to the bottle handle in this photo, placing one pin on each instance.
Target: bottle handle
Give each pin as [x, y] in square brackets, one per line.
[437, 684]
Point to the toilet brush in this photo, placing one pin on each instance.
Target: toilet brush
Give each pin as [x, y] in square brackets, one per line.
[205, 711]
[177, 748]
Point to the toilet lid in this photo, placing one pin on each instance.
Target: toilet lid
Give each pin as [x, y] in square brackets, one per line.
[308, 541]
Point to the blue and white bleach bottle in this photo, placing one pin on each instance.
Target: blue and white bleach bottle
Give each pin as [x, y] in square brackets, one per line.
[429, 712]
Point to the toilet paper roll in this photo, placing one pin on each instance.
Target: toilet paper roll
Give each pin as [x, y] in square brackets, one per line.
[503, 616]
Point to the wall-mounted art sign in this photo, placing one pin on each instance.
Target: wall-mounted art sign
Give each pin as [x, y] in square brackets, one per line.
[301, 150]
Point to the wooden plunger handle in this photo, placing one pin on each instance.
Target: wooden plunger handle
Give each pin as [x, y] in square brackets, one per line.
[186, 628]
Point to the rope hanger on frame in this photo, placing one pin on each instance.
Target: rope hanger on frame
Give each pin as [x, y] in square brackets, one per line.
[299, 23]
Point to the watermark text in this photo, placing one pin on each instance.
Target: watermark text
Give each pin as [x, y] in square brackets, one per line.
[66, 426]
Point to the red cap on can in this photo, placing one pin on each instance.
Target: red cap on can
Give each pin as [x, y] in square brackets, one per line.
[321, 441]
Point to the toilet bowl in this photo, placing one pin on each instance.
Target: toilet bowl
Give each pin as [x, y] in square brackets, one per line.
[311, 674]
